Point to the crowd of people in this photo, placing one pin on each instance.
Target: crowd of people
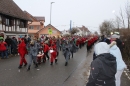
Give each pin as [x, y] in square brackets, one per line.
[38, 49]
[107, 65]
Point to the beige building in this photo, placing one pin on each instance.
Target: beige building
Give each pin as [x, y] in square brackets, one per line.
[35, 25]
[45, 31]
[37, 28]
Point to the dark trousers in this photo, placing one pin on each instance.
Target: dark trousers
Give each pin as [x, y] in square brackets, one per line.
[46, 54]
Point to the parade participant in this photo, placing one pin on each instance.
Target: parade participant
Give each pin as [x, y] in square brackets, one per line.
[39, 57]
[32, 55]
[45, 50]
[22, 51]
[53, 52]
[66, 51]
[103, 68]
[58, 45]
[3, 48]
[73, 47]
[114, 50]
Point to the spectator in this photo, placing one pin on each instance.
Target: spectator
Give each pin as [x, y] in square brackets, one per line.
[118, 41]
[114, 50]
[103, 68]
[14, 46]
[3, 49]
[8, 40]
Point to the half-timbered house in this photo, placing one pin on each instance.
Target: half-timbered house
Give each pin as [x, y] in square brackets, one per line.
[13, 21]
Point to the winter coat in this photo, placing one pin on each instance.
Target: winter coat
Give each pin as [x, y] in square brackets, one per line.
[73, 47]
[14, 43]
[22, 48]
[33, 50]
[3, 46]
[115, 51]
[58, 44]
[8, 41]
[119, 44]
[46, 48]
[103, 70]
[66, 50]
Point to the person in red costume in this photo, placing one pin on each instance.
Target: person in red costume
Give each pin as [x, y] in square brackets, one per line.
[45, 50]
[22, 51]
[53, 53]
[3, 48]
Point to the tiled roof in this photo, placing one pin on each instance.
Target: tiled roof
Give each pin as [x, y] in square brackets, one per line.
[83, 28]
[40, 18]
[30, 16]
[10, 8]
[35, 23]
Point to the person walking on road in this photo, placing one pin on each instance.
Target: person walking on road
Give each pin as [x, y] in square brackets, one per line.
[114, 50]
[45, 50]
[103, 68]
[53, 52]
[32, 55]
[22, 52]
[66, 52]
[73, 47]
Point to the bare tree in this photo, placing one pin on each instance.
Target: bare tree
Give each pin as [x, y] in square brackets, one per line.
[127, 9]
[74, 30]
[122, 18]
[106, 27]
[96, 33]
[117, 22]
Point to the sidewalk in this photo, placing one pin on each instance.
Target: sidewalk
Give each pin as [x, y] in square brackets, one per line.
[80, 75]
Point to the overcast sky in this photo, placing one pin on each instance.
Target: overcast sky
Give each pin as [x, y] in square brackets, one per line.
[90, 13]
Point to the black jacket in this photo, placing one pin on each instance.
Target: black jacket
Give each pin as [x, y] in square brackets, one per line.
[119, 44]
[8, 41]
[103, 70]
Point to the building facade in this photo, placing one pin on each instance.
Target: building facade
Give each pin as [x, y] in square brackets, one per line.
[13, 21]
[35, 25]
[46, 29]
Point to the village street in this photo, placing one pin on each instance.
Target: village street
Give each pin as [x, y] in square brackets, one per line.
[75, 74]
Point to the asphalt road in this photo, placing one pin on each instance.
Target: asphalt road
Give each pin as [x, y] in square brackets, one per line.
[44, 75]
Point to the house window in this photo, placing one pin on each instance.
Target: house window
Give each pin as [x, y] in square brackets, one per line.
[7, 22]
[21, 24]
[38, 27]
[30, 27]
[18, 22]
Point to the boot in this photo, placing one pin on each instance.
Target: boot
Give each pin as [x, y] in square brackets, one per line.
[56, 60]
[36, 65]
[25, 64]
[66, 63]
[20, 66]
[28, 68]
[51, 63]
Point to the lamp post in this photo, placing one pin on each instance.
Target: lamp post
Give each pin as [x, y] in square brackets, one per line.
[51, 10]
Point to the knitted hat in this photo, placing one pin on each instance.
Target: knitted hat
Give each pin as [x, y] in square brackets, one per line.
[1, 38]
[115, 36]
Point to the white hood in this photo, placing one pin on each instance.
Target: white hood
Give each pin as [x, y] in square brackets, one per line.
[101, 48]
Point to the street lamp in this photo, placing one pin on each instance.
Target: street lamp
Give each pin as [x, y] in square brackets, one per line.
[51, 10]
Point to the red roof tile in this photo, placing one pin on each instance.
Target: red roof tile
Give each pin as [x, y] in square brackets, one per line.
[40, 18]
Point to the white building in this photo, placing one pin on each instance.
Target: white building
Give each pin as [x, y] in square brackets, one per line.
[65, 32]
